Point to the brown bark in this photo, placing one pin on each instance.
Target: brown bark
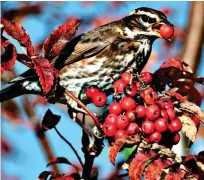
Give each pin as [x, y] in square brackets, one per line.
[194, 37]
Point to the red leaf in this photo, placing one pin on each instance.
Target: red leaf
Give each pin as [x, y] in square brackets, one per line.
[59, 37]
[115, 148]
[119, 143]
[172, 63]
[154, 170]
[46, 72]
[16, 31]
[49, 121]
[137, 165]
[178, 175]
[9, 55]
[176, 95]
[5, 146]
[10, 110]
[58, 47]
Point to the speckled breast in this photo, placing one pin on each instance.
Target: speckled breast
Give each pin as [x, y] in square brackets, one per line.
[103, 69]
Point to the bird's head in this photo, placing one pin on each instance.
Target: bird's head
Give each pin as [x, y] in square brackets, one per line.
[145, 22]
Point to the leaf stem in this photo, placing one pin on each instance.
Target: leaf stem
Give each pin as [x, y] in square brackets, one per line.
[70, 145]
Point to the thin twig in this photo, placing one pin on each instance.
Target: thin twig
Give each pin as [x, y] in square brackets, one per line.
[89, 133]
[96, 120]
[70, 145]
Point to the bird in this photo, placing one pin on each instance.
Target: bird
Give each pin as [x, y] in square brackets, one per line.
[98, 57]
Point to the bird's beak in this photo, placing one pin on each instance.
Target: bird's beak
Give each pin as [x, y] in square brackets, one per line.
[156, 29]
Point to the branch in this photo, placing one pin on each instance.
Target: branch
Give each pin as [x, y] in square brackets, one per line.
[70, 145]
[88, 160]
[194, 37]
[84, 107]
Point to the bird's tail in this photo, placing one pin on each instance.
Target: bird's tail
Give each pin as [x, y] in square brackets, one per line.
[11, 92]
[20, 88]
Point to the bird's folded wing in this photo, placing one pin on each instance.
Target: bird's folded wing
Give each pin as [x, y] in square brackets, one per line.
[84, 50]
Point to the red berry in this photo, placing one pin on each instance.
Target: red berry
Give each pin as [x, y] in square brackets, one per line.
[146, 77]
[164, 114]
[110, 119]
[176, 125]
[115, 108]
[109, 129]
[161, 125]
[150, 97]
[119, 86]
[171, 114]
[122, 122]
[166, 31]
[141, 111]
[160, 104]
[131, 115]
[130, 90]
[90, 92]
[126, 77]
[133, 128]
[120, 133]
[127, 103]
[137, 84]
[148, 127]
[152, 112]
[168, 103]
[176, 138]
[99, 99]
[155, 137]
[145, 91]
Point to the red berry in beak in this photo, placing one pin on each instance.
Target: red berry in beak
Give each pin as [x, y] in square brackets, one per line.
[166, 31]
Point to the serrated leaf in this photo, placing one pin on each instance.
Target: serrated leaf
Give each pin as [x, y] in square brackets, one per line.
[58, 160]
[192, 108]
[119, 143]
[137, 165]
[178, 175]
[188, 127]
[16, 31]
[50, 120]
[59, 37]
[8, 55]
[46, 72]
[115, 149]
[154, 170]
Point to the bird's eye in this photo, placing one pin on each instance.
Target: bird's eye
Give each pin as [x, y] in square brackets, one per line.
[145, 18]
[152, 20]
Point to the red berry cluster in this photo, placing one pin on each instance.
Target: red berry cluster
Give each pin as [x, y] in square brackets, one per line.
[98, 98]
[141, 111]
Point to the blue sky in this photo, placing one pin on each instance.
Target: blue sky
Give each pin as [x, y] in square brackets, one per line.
[28, 160]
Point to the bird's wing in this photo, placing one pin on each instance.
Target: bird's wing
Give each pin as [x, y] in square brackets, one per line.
[86, 45]
[85, 50]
